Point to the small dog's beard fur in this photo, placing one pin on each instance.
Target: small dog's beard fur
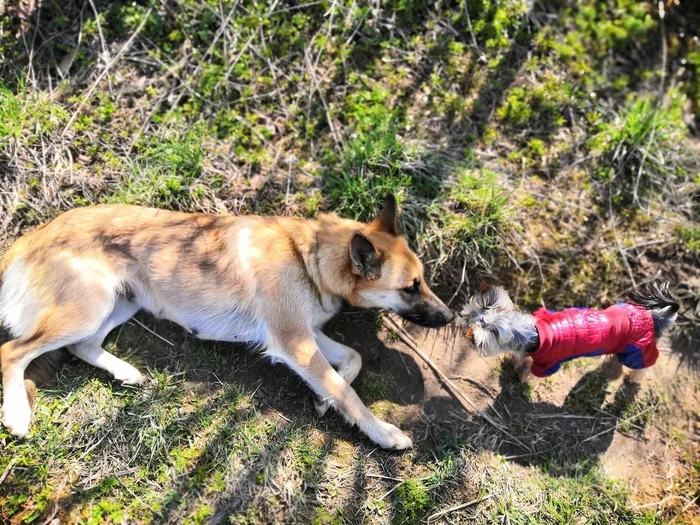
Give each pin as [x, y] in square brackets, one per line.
[495, 325]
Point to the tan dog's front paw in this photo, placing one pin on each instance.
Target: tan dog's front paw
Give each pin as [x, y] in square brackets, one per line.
[321, 406]
[391, 437]
[128, 375]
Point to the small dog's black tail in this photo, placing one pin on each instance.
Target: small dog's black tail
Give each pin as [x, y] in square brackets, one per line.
[656, 298]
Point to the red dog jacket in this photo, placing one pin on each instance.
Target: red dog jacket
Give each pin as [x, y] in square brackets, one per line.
[624, 329]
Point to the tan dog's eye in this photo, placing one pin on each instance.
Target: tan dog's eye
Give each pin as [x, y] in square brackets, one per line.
[414, 288]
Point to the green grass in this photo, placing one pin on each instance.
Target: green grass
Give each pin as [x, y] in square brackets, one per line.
[638, 153]
[637, 414]
[588, 499]
[523, 107]
[411, 501]
[373, 166]
[323, 517]
[166, 174]
[472, 224]
[690, 238]
[27, 117]
[372, 387]
[511, 383]
[189, 446]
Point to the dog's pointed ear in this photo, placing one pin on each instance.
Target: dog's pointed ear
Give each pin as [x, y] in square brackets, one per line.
[388, 219]
[364, 257]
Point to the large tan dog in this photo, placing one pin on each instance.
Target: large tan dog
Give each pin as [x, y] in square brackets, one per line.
[270, 281]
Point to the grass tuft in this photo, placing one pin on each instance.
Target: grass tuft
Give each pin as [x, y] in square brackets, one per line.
[472, 224]
[638, 152]
[165, 174]
[378, 163]
[412, 502]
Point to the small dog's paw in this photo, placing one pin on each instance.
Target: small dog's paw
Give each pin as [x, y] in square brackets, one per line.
[128, 375]
[523, 367]
[17, 421]
[392, 438]
[636, 377]
[611, 367]
[321, 406]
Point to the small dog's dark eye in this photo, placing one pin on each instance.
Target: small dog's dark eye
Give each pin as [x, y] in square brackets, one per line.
[414, 288]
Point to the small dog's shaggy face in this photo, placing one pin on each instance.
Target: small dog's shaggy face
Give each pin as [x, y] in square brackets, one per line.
[491, 322]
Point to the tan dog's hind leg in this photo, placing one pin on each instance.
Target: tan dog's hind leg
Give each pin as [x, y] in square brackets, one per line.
[304, 357]
[91, 350]
[344, 359]
[52, 333]
[16, 356]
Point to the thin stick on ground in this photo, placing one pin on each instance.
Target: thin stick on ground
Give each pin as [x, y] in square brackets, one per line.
[105, 50]
[151, 331]
[615, 427]
[379, 476]
[690, 504]
[8, 469]
[457, 507]
[467, 403]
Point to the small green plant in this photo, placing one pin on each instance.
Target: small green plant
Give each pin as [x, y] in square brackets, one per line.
[165, 174]
[372, 168]
[308, 457]
[324, 517]
[377, 164]
[411, 502]
[473, 223]
[201, 515]
[690, 238]
[29, 115]
[595, 32]
[637, 413]
[638, 152]
[369, 112]
[496, 23]
[511, 383]
[538, 106]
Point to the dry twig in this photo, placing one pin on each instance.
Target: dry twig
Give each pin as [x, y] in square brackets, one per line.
[467, 403]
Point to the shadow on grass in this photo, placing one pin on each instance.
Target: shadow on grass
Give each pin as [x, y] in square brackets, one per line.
[217, 424]
[563, 440]
[685, 342]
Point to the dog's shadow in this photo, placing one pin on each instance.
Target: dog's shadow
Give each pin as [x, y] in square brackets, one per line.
[388, 376]
[566, 440]
[205, 382]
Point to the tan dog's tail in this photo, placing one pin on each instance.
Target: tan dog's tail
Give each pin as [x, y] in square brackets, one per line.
[40, 372]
